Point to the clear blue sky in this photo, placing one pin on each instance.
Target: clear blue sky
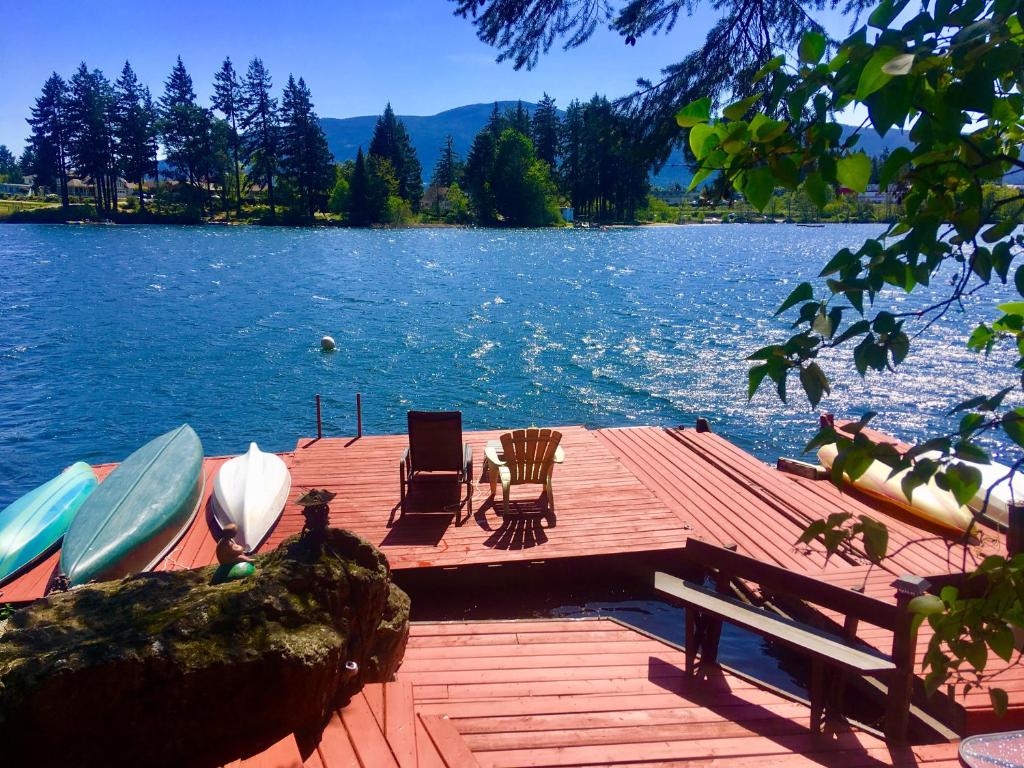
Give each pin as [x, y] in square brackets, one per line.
[354, 55]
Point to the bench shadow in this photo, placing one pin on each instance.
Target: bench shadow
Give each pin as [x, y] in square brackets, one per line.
[714, 692]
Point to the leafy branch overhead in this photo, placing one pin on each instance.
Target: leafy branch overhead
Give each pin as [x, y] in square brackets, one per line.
[953, 72]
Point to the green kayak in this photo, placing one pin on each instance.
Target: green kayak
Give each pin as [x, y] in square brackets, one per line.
[32, 525]
[139, 512]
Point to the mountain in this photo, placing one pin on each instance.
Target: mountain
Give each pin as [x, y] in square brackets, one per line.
[427, 133]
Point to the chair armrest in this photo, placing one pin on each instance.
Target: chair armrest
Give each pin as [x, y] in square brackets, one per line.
[559, 455]
[492, 456]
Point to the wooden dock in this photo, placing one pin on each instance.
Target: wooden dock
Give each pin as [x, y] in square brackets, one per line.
[634, 493]
[583, 692]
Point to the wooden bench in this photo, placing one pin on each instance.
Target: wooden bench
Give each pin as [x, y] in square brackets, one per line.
[833, 656]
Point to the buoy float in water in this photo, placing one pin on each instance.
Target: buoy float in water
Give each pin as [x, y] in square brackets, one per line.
[327, 344]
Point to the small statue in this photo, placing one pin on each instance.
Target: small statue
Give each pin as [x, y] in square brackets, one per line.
[230, 552]
[315, 505]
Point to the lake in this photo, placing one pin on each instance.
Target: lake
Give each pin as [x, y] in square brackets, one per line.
[111, 335]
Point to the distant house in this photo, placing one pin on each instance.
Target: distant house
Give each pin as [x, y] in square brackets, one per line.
[22, 190]
[674, 196]
[79, 188]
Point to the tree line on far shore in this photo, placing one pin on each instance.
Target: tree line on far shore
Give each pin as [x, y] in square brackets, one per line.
[266, 158]
[91, 128]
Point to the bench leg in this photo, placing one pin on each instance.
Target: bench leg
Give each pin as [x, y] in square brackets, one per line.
[691, 641]
[897, 711]
[817, 693]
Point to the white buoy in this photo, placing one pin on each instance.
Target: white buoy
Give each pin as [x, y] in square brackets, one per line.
[327, 344]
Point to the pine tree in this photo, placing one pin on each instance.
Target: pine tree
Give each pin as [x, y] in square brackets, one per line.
[49, 139]
[8, 164]
[391, 142]
[448, 168]
[91, 141]
[135, 129]
[359, 190]
[479, 173]
[185, 129]
[258, 120]
[546, 130]
[227, 97]
[519, 119]
[571, 151]
[306, 162]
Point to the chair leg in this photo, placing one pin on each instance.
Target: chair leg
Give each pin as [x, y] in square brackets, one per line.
[506, 489]
[401, 490]
[550, 493]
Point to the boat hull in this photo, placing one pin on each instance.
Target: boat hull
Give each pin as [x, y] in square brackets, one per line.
[33, 525]
[929, 502]
[250, 491]
[139, 512]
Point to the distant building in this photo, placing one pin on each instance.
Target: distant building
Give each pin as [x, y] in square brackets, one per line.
[568, 214]
[22, 190]
[674, 196]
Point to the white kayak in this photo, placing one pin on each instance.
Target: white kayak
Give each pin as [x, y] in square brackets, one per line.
[1004, 491]
[250, 491]
[928, 501]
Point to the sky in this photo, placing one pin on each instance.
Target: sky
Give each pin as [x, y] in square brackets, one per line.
[355, 56]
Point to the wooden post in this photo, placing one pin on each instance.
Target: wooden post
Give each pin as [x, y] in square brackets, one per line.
[319, 425]
[359, 415]
[702, 425]
[904, 642]
[1015, 532]
[826, 420]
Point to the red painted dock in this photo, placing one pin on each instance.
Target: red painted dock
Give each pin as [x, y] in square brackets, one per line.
[584, 692]
[637, 492]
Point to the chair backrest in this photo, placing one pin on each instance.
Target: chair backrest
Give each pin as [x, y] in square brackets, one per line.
[435, 441]
[530, 454]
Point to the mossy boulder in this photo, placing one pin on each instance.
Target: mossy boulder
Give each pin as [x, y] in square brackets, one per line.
[174, 669]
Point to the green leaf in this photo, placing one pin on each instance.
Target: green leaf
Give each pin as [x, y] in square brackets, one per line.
[695, 112]
[814, 383]
[767, 69]
[1000, 701]
[886, 11]
[812, 47]
[738, 109]
[872, 77]
[899, 65]
[876, 538]
[1001, 642]
[699, 135]
[1018, 279]
[803, 292]
[963, 482]
[766, 129]
[854, 171]
[816, 189]
[1012, 307]
[754, 378]
[926, 605]
[758, 185]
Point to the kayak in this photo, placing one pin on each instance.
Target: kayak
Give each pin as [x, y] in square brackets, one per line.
[928, 501]
[1004, 491]
[33, 525]
[250, 491]
[139, 512]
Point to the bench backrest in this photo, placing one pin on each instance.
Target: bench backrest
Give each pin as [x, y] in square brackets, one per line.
[774, 579]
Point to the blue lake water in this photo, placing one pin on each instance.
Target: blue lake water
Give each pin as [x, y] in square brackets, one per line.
[112, 335]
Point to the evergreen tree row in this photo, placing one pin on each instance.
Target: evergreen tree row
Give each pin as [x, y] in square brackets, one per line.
[95, 130]
[520, 167]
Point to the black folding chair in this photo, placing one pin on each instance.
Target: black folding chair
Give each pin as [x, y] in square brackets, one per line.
[435, 445]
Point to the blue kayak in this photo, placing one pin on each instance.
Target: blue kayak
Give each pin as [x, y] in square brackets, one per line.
[31, 526]
[139, 512]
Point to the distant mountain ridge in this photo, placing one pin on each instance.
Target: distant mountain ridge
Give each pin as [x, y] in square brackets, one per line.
[428, 132]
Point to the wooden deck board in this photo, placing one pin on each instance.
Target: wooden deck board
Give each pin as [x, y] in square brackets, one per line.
[583, 712]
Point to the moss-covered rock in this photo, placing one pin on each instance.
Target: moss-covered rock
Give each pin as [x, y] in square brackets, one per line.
[173, 669]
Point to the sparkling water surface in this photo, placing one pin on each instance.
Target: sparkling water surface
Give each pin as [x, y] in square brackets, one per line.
[111, 335]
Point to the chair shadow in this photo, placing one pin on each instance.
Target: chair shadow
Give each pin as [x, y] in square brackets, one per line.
[520, 527]
[431, 505]
[713, 691]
